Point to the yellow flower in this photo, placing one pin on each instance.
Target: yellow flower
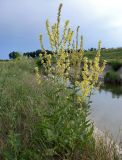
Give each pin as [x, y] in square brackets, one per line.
[69, 60]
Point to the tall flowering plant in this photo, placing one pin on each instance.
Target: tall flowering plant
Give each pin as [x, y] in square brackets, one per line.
[68, 129]
[68, 61]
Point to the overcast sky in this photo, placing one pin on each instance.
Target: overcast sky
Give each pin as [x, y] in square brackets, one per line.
[22, 21]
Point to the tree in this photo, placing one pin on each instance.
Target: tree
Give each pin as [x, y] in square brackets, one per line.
[14, 55]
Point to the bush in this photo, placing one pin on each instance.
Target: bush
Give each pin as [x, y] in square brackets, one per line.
[14, 55]
[112, 77]
[116, 65]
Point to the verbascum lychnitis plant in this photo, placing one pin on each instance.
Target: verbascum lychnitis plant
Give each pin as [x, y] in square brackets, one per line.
[68, 131]
[38, 77]
[68, 61]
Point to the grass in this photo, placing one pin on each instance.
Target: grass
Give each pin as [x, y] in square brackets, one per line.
[40, 122]
[109, 55]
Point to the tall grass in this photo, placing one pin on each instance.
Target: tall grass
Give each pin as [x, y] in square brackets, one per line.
[35, 124]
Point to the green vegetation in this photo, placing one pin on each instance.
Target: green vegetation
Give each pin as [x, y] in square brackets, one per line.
[116, 65]
[37, 123]
[40, 117]
[115, 90]
[110, 55]
[114, 58]
[14, 55]
[112, 77]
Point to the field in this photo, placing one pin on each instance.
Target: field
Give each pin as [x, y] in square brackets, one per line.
[109, 55]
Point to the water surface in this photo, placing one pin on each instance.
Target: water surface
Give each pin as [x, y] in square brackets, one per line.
[106, 110]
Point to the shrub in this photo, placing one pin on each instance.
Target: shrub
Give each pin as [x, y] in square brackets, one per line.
[112, 77]
[14, 55]
[116, 65]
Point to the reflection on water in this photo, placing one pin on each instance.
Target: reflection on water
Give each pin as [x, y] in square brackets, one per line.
[106, 109]
[116, 91]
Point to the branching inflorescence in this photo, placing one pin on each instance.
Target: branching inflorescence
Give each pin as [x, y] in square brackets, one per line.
[68, 61]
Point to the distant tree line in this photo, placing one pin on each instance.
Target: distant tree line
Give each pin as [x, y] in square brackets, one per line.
[34, 54]
[14, 55]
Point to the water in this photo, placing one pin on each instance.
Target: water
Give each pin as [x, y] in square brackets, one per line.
[106, 110]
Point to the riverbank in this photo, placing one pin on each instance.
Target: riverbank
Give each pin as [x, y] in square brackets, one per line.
[105, 137]
[110, 55]
[105, 112]
[111, 76]
[37, 123]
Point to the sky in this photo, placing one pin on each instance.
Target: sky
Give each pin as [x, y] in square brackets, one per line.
[22, 21]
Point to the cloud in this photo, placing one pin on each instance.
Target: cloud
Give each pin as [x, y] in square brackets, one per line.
[21, 22]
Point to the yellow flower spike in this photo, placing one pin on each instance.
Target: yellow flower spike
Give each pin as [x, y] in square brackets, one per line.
[77, 32]
[51, 38]
[79, 99]
[69, 57]
[99, 45]
[41, 43]
[81, 43]
[38, 78]
[58, 20]
[77, 83]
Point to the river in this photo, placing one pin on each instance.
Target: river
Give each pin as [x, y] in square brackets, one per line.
[106, 110]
